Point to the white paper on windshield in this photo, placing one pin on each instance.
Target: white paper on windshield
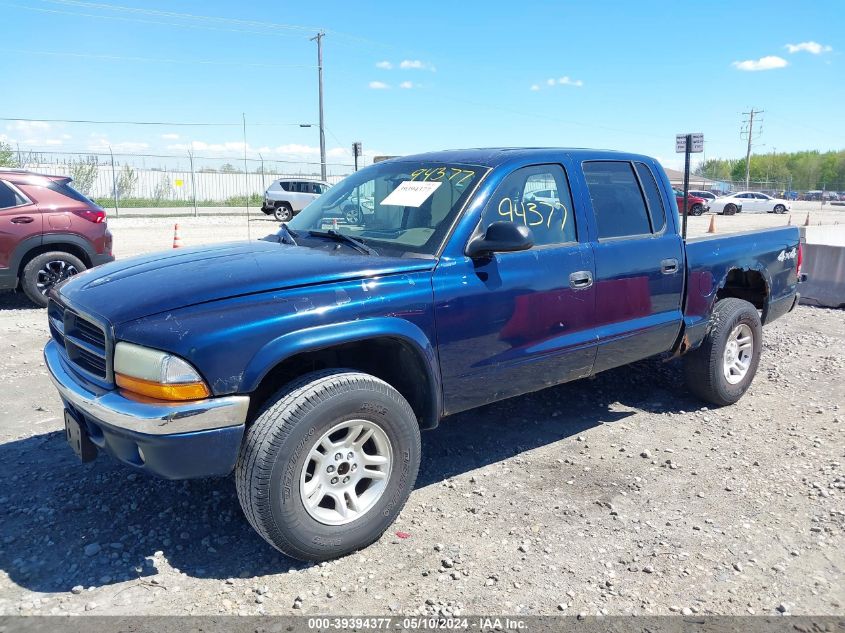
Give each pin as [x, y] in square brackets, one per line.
[411, 194]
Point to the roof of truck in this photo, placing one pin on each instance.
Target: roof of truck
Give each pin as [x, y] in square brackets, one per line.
[495, 156]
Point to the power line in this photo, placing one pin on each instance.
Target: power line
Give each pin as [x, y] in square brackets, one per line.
[172, 123]
[154, 59]
[182, 16]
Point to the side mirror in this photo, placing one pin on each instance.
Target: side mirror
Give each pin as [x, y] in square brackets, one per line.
[501, 237]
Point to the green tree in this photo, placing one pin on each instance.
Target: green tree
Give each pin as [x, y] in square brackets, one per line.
[84, 173]
[126, 181]
[7, 156]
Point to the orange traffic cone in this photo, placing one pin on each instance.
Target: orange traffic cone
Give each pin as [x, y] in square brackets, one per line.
[807, 221]
[177, 241]
[712, 228]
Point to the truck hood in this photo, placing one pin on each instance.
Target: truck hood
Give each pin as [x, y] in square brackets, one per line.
[140, 286]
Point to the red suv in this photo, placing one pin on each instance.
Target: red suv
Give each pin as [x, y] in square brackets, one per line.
[48, 232]
[695, 204]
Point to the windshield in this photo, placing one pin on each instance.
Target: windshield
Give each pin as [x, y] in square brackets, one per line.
[397, 207]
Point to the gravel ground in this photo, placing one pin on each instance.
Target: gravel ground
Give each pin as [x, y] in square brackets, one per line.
[616, 495]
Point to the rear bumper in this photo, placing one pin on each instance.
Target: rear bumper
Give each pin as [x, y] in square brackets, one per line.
[172, 440]
[99, 260]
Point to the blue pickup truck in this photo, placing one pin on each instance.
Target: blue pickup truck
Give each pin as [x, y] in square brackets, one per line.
[308, 362]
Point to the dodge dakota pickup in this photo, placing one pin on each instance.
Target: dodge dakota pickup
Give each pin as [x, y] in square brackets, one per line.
[306, 363]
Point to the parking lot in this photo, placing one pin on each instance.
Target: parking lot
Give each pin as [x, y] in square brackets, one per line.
[615, 495]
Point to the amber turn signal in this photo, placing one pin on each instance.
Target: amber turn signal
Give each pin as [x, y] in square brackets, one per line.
[159, 391]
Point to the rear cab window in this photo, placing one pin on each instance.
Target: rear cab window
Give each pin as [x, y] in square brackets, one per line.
[618, 192]
[9, 197]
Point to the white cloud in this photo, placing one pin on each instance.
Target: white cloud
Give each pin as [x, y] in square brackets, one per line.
[28, 127]
[550, 82]
[566, 81]
[535, 87]
[416, 64]
[170, 137]
[769, 62]
[378, 85]
[811, 47]
[102, 144]
[384, 65]
[408, 85]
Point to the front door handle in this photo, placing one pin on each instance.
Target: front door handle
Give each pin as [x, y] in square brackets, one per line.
[669, 266]
[581, 279]
[21, 219]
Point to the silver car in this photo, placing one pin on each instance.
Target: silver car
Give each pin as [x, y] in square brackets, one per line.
[286, 197]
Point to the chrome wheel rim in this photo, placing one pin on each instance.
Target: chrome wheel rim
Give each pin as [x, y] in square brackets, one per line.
[346, 472]
[739, 350]
[282, 214]
[52, 273]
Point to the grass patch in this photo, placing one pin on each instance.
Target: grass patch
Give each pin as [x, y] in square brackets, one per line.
[255, 200]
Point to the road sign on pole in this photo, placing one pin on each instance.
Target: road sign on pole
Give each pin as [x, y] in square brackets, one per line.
[686, 144]
[696, 147]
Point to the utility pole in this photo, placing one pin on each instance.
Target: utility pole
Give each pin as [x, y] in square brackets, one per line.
[748, 130]
[319, 38]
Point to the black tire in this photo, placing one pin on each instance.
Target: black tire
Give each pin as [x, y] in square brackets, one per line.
[283, 212]
[779, 208]
[697, 210]
[46, 270]
[703, 367]
[277, 446]
[730, 209]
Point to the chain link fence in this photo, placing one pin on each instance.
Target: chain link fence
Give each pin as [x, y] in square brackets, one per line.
[149, 180]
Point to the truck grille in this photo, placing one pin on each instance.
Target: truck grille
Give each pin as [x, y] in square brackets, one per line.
[84, 340]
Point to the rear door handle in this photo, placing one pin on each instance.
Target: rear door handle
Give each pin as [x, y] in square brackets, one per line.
[669, 266]
[21, 219]
[581, 279]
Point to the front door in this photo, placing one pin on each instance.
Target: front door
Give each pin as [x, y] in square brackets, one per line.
[516, 322]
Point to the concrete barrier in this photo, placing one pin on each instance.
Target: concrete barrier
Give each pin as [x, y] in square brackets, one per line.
[824, 264]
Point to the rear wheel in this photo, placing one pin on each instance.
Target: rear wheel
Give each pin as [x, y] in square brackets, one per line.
[328, 464]
[45, 271]
[722, 368]
[283, 212]
[730, 209]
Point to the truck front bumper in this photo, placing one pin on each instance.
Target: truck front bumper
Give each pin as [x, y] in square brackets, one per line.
[180, 440]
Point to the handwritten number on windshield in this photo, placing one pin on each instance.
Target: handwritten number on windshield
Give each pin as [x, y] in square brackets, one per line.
[443, 173]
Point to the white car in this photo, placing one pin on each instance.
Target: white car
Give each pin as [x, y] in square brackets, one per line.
[286, 197]
[755, 202]
[707, 195]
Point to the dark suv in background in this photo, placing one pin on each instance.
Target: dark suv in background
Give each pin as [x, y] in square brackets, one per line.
[48, 232]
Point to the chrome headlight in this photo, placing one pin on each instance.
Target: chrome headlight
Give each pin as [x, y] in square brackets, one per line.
[156, 374]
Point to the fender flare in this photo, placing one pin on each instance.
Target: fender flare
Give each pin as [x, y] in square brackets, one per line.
[48, 239]
[326, 336]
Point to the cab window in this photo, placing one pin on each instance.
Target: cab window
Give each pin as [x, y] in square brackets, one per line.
[617, 199]
[538, 197]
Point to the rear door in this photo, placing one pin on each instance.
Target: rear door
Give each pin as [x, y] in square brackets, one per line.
[20, 219]
[639, 262]
[516, 322]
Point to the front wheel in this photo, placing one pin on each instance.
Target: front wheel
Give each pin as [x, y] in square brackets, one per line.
[283, 212]
[730, 209]
[779, 208]
[45, 271]
[697, 210]
[328, 464]
[722, 368]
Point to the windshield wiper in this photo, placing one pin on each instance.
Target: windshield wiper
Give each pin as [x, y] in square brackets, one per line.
[288, 234]
[346, 239]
